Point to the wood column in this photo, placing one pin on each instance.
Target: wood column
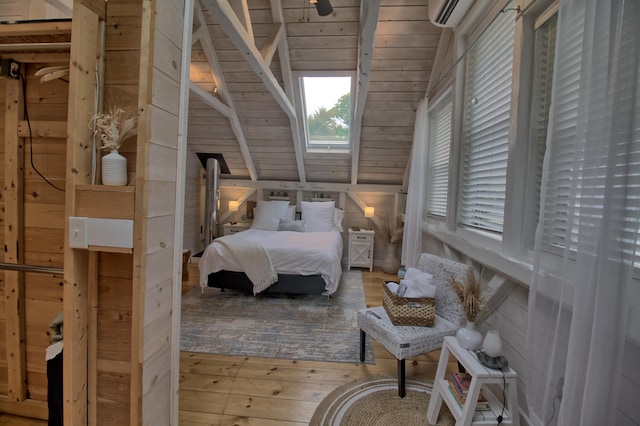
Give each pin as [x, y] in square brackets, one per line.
[84, 55]
[14, 243]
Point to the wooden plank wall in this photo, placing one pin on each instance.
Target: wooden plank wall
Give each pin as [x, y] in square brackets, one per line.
[41, 236]
[43, 217]
[112, 374]
[3, 336]
[156, 175]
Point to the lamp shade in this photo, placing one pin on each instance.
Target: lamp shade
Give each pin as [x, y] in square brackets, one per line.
[369, 211]
[492, 344]
[323, 7]
[233, 206]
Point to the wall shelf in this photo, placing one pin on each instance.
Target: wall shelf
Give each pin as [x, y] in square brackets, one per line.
[104, 201]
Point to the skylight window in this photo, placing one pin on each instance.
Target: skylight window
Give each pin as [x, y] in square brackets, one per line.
[327, 112]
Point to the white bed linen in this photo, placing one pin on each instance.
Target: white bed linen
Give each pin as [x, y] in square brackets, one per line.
[301, 253]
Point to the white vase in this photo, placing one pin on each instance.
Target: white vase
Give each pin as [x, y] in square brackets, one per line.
[468, 337]
[114, 169]
[390, 262]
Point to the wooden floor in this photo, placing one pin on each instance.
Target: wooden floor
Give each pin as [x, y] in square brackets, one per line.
[236, 390]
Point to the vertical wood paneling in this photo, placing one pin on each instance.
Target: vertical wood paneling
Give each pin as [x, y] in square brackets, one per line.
[14, 244]
[160, 56]
[84, 51]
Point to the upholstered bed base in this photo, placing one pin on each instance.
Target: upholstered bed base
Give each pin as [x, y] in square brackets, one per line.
[290, 284]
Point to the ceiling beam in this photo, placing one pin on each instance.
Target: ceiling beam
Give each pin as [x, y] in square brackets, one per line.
[310, 186]
[269, 48]
[241, 8]
[287, 79]
[228, 20]
[369, 10]
[211, 100]
[218, 78]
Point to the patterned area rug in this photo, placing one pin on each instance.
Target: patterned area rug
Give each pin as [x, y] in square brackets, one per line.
[374, 401]
[301, 327]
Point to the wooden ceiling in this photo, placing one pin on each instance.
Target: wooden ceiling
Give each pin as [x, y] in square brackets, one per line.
[242, 72]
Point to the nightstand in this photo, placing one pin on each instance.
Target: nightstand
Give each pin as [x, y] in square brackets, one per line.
[361, 248]
[480, 376]
[228, 228]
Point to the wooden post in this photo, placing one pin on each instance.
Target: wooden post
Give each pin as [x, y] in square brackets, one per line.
[14, 243]
[84, 54]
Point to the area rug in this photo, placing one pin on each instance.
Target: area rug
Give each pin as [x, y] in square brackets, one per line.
[374, 401]
[299, 327]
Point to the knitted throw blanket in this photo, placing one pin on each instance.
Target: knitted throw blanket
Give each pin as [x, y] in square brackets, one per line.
[253, 259]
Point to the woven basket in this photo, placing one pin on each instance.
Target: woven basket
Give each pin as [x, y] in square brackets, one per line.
[416, 311]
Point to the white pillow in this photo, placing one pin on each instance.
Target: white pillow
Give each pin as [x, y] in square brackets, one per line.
[318, 216]
[291, 213]
[338, 215]
[269, 213]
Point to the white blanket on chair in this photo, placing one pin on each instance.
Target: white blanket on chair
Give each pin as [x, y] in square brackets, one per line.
[254, 259]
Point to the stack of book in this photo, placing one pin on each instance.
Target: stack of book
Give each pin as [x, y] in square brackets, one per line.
[459, 387]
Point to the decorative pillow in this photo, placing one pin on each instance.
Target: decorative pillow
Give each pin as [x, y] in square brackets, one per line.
[291, 225]
[338, 215]
[318, 216]
[269, 213]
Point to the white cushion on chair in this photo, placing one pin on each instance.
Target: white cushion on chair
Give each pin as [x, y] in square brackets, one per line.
[402, 341]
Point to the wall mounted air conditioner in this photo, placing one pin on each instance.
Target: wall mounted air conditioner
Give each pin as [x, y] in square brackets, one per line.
[448, 13]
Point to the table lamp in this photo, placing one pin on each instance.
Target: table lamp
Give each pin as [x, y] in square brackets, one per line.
[233, 207]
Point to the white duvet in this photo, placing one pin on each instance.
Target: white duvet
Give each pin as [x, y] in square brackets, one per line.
[299, 253]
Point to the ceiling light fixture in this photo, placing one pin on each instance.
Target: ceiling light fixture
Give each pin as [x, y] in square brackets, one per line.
[323, 7]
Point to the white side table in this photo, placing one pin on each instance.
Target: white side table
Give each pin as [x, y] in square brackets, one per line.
[360, 248]
[480, 376]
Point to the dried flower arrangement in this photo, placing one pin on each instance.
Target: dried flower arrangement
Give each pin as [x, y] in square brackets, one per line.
[115, 127]
[391, 229]
[471, 294]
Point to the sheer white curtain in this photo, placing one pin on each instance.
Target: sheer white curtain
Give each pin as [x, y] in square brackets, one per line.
[586, 243]
[412, 239]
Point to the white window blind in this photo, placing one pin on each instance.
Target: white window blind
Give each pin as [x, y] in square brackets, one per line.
[487, 101]
[560, 214]
[545, 47]
[574, 200]
[438, 162]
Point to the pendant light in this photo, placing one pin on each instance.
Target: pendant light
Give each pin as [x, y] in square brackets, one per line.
[323, 7]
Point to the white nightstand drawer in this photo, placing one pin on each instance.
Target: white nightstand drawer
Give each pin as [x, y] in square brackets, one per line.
[361, 237]
[229, 228]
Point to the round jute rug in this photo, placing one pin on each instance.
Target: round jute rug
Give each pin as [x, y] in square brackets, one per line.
[374, 401]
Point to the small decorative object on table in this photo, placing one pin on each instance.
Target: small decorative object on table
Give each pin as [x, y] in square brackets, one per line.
[473, 300]
[114, 128]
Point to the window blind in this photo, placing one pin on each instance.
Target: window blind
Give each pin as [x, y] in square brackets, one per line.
[591, 149]
[545, 47]
[438, 162]
[487, 101]
[561, 218]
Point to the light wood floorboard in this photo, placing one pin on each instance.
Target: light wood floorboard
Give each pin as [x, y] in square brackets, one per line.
[235, 390]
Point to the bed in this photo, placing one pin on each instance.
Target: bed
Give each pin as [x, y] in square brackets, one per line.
[305, 259]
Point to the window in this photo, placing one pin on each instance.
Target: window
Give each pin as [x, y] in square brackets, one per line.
[327, 113]
[438, 161]
[485, 135]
